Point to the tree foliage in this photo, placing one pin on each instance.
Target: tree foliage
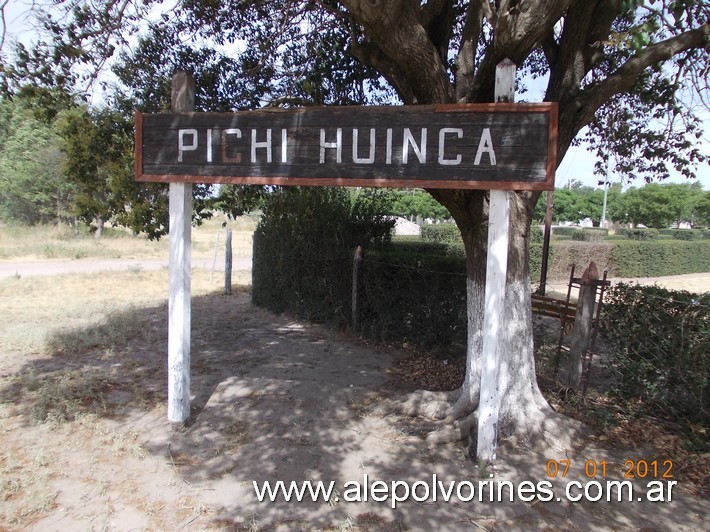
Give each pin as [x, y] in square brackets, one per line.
[32, 190]
[653, 205]
[417, 204]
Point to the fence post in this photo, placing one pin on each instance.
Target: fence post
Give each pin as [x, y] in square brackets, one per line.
[228, 262]
[357, 262]
[214, 255]
[583, 319]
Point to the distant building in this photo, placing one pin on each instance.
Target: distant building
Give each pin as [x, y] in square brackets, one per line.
[404, 227]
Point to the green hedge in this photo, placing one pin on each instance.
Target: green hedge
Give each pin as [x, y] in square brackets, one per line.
[685, 234]
[442, 233]
[640, 233]
[413, 297]
[662, 257]
[590, 234]
[659, 344]
[304, 246]
[631, 258]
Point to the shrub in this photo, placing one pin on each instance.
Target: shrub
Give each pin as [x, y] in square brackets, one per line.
[663, 257]
[659, 342]
[303, 249]
[428, 248]
[640, 233]
[414, 297]
[687, 234]
[564, 231]
[589, 235]
[446, 233]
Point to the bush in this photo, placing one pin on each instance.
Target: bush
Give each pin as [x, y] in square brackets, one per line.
[304, 245]
[656, 258]
[442, 233]
[640, 233]
[421, 247]
[687, 234]
[629, 258]
[589, 235]
[564, 231]
[414, 297]
[659, 342]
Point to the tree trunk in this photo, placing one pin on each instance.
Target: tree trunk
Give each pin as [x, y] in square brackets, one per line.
[524, 412]
[99, 227]
[525, 417]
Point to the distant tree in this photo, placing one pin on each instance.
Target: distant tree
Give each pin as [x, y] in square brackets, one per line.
[660, 206]
[413, 204]
[32, 187]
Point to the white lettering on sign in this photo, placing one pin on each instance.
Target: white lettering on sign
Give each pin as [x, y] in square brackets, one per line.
[266, 144]
[485, 145]
[182, 147]
[209, 145]
[261, 146]
[337, 145]
[442, 140]
[419, 151]
[371, 157]
[284, 146]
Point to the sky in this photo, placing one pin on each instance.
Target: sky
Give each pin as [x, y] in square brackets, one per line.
[578, 163]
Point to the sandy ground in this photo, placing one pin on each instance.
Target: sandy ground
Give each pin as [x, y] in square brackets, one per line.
[698, 283]
[272, 400]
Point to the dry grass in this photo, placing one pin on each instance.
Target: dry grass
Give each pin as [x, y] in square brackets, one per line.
[77, 355]
[50, 242]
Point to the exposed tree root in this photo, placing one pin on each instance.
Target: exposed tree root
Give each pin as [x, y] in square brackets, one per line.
[536, 427]
[429, 405]
[458, 430]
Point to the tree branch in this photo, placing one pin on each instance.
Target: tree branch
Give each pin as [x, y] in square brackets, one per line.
[369, 54]
[466, 57]
[592, 98]
[438, 19]
[396, 28]
[519, 28]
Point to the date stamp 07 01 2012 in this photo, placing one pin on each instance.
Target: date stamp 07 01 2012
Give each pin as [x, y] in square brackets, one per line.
[641, 469]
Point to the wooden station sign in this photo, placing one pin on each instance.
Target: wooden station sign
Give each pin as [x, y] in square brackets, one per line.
[473, 146]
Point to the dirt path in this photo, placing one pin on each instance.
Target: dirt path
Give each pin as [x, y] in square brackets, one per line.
[273, 400]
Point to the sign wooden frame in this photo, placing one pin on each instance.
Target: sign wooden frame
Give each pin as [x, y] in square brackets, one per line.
[506, 146]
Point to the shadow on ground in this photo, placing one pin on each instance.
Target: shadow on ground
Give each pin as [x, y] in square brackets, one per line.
[275, 400]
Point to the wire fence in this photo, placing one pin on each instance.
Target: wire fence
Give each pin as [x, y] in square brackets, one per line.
[652, 352]
[657, 346]
[654, 344]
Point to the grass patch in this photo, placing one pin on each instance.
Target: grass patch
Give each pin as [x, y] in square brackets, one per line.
[19, 242]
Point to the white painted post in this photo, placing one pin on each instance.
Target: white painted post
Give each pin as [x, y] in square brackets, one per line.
[496, 271]
[179, 300]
